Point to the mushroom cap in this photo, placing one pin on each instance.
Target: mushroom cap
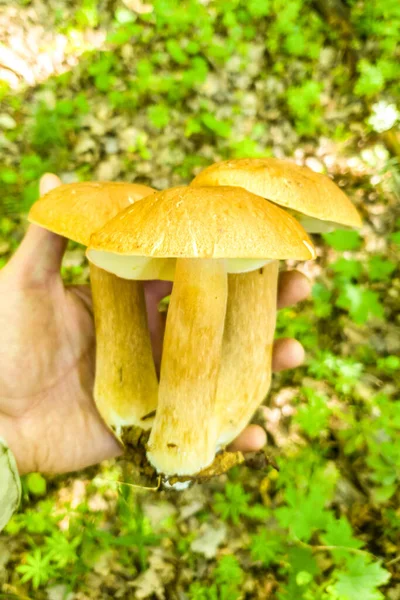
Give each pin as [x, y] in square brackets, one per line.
[204, 222]
[287, 184]
[76, 210]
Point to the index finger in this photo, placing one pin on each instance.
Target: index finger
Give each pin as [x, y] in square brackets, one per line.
[292, 288]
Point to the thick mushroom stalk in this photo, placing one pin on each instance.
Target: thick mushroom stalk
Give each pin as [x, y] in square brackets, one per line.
[246, 361]
[126, 383]
[209, 231]
[184, 435]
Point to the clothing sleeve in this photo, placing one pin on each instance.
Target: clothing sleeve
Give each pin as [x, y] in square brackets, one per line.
[10, 484]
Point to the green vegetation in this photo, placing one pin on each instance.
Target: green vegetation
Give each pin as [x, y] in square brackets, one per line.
[167, 93]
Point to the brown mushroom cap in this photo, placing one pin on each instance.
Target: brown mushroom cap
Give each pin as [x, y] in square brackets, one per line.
[203, 222]
[287, 184]
[76, 210]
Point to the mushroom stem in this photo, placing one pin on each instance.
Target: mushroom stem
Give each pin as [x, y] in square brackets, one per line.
[184, 435]
[246, 363]
[126, 385]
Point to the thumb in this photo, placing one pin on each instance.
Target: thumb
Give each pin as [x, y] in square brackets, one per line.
[40, 253]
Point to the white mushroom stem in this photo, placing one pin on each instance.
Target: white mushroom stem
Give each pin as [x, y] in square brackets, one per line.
[126, 385]
[246, 363]
[184, 435]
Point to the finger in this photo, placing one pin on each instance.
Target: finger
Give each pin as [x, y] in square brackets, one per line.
[48, 182]
[287, 354]
[251, 439]
[40, 253]
[293, 287]
[155, 291]
[83, 292]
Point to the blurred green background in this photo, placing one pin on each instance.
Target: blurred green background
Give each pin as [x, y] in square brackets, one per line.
[152, 92]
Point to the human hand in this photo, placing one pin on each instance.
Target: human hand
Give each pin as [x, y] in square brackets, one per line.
[47, 357]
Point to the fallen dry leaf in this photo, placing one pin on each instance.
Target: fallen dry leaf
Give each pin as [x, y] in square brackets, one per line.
[211, 537]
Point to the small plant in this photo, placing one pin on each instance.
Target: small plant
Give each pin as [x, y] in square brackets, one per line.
[233, 503]
[37, 568]
[228, 577]
[313, 415]
[266, 548]
[304, 105]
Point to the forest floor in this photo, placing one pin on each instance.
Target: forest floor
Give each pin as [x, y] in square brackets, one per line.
[112, 91]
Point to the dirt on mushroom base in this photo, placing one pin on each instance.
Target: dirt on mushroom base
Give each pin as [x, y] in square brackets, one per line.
[139, 472]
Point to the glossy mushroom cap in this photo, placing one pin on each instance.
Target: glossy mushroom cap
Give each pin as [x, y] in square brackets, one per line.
[201, 222]
[76, 210]
[289, 185]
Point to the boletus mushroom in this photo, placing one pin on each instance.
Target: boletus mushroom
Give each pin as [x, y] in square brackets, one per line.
[312, 198]
[319, 205]
[126, 385]
[205, 233]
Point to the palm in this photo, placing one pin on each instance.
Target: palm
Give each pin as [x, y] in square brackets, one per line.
[46, 380]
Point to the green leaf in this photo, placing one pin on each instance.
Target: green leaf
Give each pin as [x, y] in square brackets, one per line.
[371, 79]
[347, 268]
[360, 302]
[388, 364]
[342, 373]
[295, 43]
[322, 300]
[228, 570]
[65, 108]
[193, 126]
[258, 512]
[6, 225]
[380, 269]
[259, 8]
[175, 51]
[300, 560]
[81, 103]
[119, 37]
[313, 417]
[37, 569]
[200, 592]
[192, 47]
[233, 503]
[305, 512]
[36, 484]
[360, 580]
[103, 81]
[301, 98]
[395, 237]
[8, 176]
[159, 115]
[221, 128]
[266, 548]
[339, 533]
[62, 550]
[342, 239]
[246, 148]
[303, 578]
